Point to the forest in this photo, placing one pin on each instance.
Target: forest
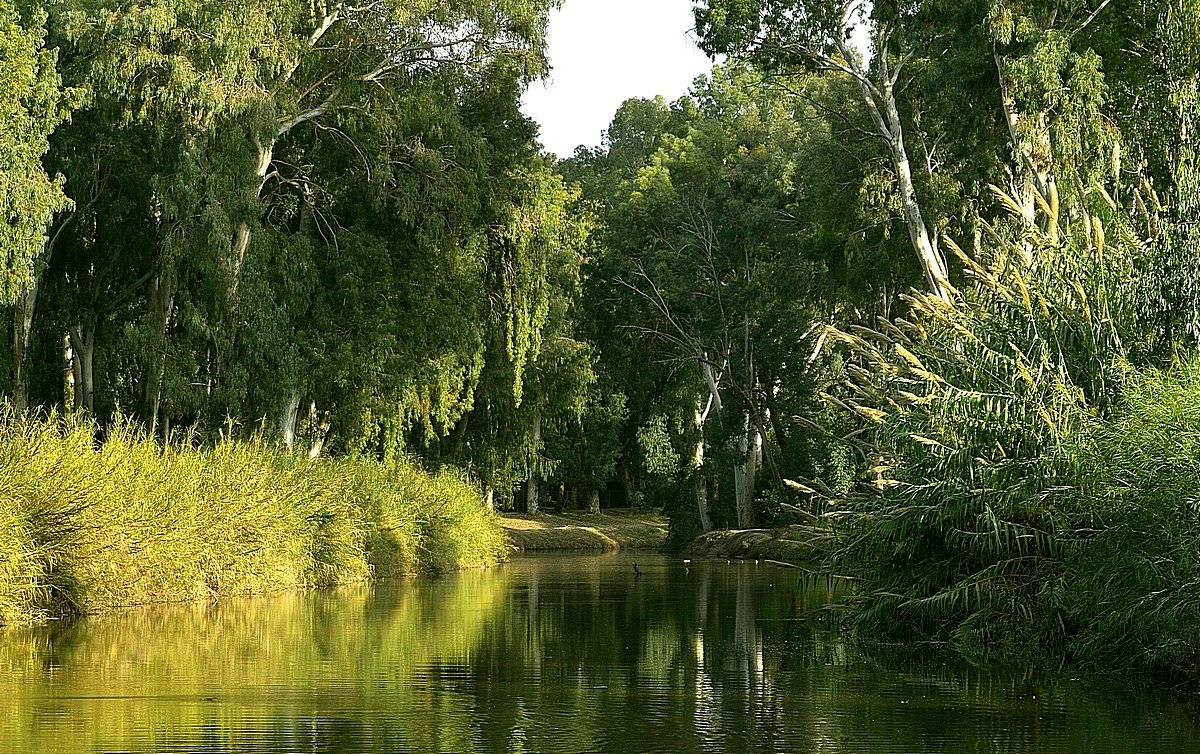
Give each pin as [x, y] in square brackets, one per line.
[936, 301]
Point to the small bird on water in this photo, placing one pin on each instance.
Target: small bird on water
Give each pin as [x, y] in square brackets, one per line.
[637, 571]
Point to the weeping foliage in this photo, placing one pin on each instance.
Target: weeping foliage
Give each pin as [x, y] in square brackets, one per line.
[32, 103]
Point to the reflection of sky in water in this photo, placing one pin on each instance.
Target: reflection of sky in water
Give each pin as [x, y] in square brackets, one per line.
[545, 654]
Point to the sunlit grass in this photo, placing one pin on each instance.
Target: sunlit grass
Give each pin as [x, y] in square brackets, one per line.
[87, 526]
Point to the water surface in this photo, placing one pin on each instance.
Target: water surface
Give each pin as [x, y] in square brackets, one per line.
[544, 654]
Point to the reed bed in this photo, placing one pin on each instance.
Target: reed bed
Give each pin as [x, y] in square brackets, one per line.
[1034, 478]
[89, 526]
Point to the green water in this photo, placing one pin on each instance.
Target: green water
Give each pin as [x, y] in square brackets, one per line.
[544, 654]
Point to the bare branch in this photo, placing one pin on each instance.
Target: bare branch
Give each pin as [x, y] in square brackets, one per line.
[1092, 17]
[307, 115]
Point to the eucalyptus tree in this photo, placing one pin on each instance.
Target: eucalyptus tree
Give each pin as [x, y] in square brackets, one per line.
[941, 76]
[264, 69]
[701, 239]
[33, 102]
[249, 92]
[532, 369]
[813, 35]
[92, 284]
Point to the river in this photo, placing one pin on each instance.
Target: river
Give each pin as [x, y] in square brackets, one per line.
[543, 654]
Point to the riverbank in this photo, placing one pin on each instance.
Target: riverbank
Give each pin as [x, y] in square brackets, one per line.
[617, 529]
[86, 528]
[794, 545]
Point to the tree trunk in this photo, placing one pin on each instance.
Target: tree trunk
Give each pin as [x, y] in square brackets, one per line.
[1032, 178]
[594, 502]
[69, 381]
[489, 497]
[22, 327]
[531, 488]
[162, 301]
[531, 496]
[746, 471]
[879, 96]
[932, 261]
[83, 343]
[76, 381]
[289, 418]
[627, 484]
[264, 156]
[706, 523]
[318, 427]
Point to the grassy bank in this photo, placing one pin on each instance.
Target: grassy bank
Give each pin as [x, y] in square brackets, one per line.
[86, 528]
[613, 530]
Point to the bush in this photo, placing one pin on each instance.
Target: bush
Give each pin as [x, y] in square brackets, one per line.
[1130, 594]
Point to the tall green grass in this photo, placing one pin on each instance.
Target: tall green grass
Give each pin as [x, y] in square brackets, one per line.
[87, 527]
[1130, 588]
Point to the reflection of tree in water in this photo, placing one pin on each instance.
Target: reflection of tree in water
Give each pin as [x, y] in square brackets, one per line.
[543, 654]
[677, 656]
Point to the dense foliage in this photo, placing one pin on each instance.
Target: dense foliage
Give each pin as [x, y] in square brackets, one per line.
[937, 297]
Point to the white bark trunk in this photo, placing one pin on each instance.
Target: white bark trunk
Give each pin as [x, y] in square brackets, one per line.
[68, 371]
[22, 327]
[932, 260]
[594, 502]
[706, 523]
[714, 403]
[318, 430]
[880, 100]
[83, 343]
[264, 156]
[745, 473]
[531, 489]
[289, 419]
[714, 390]
[1032, 171]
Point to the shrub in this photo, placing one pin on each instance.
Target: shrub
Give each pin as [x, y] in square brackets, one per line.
[1130, 594]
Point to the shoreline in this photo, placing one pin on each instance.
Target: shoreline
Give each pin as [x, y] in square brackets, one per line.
[616, 529]
[789, 545]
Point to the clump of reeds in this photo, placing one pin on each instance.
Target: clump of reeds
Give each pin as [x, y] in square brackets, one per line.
[973, 405]
[87, 526]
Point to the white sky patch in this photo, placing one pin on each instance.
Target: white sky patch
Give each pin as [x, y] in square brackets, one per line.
[603, 52]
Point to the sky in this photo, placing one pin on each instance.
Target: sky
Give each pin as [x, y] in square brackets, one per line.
[602, 52]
